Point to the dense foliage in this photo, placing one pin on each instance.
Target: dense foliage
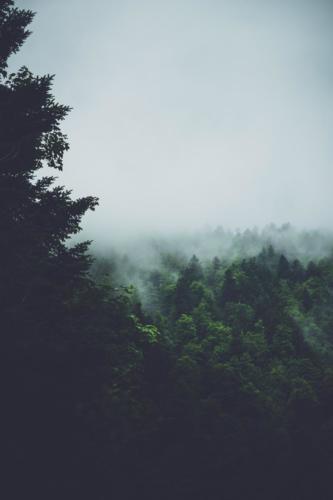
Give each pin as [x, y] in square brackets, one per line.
[219, 387]
[238, 381]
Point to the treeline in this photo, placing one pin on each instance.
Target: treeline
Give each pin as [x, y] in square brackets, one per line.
[129, 261]
[222, 388]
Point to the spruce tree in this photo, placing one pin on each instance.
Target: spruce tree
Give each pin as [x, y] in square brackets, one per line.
[38, 268]
[45, 356]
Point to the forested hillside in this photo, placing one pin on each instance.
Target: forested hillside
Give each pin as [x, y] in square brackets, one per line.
[238, 376]
[190, 378]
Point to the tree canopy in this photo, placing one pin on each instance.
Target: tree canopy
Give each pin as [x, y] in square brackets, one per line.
[216, 382]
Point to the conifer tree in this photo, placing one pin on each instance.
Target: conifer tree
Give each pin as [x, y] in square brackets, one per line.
[43, 359]
[36, 216]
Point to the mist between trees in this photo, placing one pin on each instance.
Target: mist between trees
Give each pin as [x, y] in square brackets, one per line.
[128, 261]
[192, 367]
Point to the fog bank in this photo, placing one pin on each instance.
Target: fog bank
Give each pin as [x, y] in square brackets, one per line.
[189, 113]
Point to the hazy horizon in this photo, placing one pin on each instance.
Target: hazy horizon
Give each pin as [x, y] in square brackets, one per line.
[189, 114]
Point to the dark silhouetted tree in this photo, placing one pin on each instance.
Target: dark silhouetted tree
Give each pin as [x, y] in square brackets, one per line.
[36, 217]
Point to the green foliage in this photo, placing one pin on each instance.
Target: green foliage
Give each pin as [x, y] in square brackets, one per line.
[149, 331]
[219, 385]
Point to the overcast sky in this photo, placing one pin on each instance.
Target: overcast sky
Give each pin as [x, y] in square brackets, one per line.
[190, 113]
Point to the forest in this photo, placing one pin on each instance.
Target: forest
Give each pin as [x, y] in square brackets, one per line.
[191, 368]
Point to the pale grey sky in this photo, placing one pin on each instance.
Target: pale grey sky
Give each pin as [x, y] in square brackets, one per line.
[188, 113]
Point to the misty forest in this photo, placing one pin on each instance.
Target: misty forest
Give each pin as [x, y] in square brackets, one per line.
[197, 365]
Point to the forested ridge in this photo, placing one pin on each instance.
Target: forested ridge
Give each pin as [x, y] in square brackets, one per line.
[207, 378]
